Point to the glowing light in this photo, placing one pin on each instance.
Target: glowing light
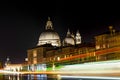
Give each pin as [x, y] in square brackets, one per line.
[26, 59]
[58, 58]
[91, 77]
[9, 72]
[112, 66]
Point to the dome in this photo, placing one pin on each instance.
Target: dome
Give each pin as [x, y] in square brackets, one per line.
[49, 36]
[69, 39]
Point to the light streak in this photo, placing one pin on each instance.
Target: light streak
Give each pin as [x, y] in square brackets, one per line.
[91, 77]
[9, 72]
[101, 67]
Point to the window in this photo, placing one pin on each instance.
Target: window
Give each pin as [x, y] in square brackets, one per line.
[35, 61]
[34, 53]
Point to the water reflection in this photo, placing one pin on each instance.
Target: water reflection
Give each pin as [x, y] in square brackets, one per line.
[30, 77]
[37, 77]
[53, 77]
[12, 77]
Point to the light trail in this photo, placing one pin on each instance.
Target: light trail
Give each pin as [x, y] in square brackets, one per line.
[95, 67]
[9, 72]
[101, 68]
[91, 77]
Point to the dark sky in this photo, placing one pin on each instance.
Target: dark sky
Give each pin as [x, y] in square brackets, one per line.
[21, 22]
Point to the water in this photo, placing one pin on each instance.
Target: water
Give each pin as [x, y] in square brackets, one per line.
[47, 77]
[28, 77]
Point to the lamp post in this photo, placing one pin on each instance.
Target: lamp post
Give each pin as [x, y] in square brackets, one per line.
[53, 64]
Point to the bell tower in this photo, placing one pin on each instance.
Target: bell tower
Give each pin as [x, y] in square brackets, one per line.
[78, 38]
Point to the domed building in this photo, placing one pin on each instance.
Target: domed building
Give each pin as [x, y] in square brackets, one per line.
[41, 56]
[49, 36]
[70, 39]
[78, 38]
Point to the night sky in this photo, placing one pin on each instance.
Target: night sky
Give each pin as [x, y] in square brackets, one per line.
[22, 22]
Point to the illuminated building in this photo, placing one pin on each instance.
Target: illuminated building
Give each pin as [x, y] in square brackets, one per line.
[49, 40]
[49, 36]
[108, 40]
[78, 38]
[108, 45]
[13, 67]
[70, 39]
[50, 53]
[36, 57]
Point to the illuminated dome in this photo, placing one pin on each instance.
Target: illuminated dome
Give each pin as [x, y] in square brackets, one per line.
[69, 40]
[49, 36]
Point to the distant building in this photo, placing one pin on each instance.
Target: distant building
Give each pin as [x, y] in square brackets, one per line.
[71, 39]
[12, 67]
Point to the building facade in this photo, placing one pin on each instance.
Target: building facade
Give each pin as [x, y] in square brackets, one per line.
[50, 54]
[108, 45]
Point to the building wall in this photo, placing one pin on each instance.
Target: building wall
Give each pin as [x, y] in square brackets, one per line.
[35, 55]
[66, 55]
[107, 40]
[108, 46]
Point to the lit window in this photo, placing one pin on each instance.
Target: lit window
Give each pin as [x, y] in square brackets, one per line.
[35, 61]
[58, 58]
[94, 54]
[104, 46]
[26, 59]
[34, 53]
[65, 56]
[97, 47]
